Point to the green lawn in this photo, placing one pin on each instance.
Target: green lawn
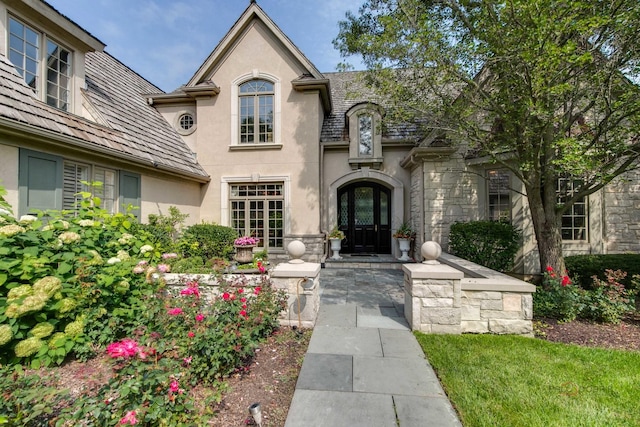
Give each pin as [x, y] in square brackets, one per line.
[516, 381]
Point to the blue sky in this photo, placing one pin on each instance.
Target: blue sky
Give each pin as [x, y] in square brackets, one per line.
[165, 41]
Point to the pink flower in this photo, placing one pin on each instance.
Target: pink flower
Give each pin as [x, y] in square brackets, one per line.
[174, 386]
[243, 299]
[169, 255]
[244, 306]
[240, 290]
[257, 290]
[187, 360]
[199, 317]
[566, 280]
[191, 289]
[260, 267]
[243, 313]
[549, 268]
[124, 349]
[164, 268]
[138, 269]
[190, 334]
[226, 296]
[174, 311]
[129, 418]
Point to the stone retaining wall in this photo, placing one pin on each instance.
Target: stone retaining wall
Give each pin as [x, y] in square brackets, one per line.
[443, 298]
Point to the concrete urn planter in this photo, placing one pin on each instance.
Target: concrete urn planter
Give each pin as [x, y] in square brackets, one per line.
[336, 245]
[244, 254]
[404, 245]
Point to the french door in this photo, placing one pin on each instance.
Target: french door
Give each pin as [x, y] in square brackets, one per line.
[365, 217]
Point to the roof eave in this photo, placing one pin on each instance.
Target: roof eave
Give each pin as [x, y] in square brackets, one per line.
[321, 85]
[12, 127]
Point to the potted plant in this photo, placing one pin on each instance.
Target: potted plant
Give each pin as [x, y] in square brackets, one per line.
[244, 248]
[404, 234]
[335, 238]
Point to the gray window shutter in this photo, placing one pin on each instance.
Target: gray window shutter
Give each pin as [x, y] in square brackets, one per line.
[130, 184]
[40, 182]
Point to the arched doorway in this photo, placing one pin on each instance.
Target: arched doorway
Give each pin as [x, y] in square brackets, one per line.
[364, 215]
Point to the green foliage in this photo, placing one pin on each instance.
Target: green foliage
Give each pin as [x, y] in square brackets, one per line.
[189, 341]
[164, 230]
[557, 298]
[609, 300]
[488, 243]
[583, 267]
[498, 380]
[27, 399]
[61, 273]
[208, 241]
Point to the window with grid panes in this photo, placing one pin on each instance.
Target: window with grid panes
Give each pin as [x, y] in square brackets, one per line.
[498, 195]
[256, 112]
[74, 174]
[258, 210]
[574, 220]
[26, 54]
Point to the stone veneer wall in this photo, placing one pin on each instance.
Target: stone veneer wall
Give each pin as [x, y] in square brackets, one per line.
[463, 297]
[622, 214]
[450, 195]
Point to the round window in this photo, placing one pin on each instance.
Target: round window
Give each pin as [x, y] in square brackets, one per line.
[186, 121]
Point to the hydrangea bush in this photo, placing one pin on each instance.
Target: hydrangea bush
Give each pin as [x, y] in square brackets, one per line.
[66, 282]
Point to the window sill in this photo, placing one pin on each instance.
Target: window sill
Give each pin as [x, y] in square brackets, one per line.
[372, 162]
[251, 147]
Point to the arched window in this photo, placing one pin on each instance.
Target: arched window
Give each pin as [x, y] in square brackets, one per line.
[256, 112]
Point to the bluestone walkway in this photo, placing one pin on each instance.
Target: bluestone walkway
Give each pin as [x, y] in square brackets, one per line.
[364, 367]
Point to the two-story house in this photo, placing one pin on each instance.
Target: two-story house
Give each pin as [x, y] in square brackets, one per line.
[258, 139]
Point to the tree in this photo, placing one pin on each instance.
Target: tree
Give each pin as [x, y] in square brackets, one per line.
[546, 88]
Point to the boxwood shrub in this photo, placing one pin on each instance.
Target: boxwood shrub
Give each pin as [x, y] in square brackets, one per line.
[488, 243]
[208, 241]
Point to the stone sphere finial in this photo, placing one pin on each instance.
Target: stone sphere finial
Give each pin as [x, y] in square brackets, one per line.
[296, 249]
[430, 251]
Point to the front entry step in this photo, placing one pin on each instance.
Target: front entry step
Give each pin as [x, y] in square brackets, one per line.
[373, 261]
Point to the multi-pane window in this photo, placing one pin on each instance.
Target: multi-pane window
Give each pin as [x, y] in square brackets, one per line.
[58, 76]
[258, 210]
[256, 112]
[574, 220]
[26, 55]
[365, 135]
[499, 195]
[75, 175]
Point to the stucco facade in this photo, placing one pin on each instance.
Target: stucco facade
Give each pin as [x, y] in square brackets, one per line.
[261, 141]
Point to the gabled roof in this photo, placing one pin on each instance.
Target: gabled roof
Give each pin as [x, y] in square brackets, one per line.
[252, 13]
[134, 132]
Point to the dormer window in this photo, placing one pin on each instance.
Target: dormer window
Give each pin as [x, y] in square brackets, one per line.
[365, 136]
[33, 62]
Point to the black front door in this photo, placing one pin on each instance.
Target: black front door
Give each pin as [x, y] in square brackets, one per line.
[365, 217]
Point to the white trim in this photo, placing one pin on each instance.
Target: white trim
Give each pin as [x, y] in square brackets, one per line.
[255, 178]
[277, 105]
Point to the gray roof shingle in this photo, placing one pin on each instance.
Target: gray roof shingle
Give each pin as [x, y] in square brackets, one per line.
[135, 131]
[347, 91]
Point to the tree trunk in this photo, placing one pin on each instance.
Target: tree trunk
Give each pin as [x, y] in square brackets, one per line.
[546, 224]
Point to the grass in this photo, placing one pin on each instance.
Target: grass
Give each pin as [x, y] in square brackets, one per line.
[517, 381]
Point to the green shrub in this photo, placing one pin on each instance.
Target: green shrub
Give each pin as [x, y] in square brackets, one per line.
[488, 243]
[608, 300]
[557, 298]
[583, 267]
[164, 230]
[208, 241]
[66, 282]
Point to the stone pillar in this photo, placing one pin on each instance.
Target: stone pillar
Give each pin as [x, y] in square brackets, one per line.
[432, 294]
[301, 281]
